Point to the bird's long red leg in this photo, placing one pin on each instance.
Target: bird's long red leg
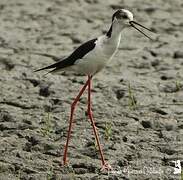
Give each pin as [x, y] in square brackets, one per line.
[105, 165]
[71, 120]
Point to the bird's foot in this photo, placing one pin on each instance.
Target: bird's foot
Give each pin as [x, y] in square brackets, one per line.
[106, 166]
[64, 164]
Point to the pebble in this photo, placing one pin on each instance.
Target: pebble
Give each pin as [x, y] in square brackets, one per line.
[119, 93]
[146, 124]
[44, 90]
[178, 54]
[6, 117]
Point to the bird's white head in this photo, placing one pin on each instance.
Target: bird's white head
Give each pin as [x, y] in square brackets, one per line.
[121, 19]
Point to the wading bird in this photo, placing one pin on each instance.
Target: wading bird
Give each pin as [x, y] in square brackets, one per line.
[90, 58]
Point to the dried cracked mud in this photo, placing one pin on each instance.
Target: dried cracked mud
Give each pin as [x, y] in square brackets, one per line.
[137, 98]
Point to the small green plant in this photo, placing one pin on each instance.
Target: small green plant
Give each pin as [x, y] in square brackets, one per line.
[181, 175]
[47, 127]
[132, 99]
[50, 173]
[108, 131]
[19, 174]
[178, 85]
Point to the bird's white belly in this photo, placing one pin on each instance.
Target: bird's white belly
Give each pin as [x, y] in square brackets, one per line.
[92, 67]
[92, 64]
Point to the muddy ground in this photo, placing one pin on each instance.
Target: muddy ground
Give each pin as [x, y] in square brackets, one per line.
[137, 98]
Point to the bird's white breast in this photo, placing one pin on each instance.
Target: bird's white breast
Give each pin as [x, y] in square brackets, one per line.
[95, 60]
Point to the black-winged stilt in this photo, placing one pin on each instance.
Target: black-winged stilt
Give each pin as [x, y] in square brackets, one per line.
[88, 59]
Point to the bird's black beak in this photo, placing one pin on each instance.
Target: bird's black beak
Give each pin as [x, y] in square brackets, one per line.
[132, 24]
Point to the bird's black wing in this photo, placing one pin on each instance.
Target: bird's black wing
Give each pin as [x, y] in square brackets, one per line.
[79, 53]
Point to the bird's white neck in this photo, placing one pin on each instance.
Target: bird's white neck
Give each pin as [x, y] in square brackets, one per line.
[114, 37]
[115, 30]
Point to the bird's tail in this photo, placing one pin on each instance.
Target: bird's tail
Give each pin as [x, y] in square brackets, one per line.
[48, 67]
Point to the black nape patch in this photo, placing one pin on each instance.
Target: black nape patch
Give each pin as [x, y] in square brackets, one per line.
[116, 14]
[109, 33]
